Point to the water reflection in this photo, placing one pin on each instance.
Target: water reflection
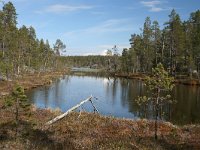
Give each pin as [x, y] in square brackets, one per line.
[188, 105]
[116, 97]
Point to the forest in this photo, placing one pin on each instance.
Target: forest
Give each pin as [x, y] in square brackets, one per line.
[21, 51]
[176, 46]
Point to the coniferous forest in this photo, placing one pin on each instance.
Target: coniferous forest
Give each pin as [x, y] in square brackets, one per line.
[176, 46]
[20, 49]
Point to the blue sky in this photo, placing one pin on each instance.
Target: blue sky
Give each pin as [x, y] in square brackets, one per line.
[92, 26]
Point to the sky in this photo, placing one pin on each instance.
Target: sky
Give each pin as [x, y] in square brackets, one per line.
[90, 27]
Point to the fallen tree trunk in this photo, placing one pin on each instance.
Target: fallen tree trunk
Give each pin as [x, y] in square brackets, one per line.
[69, 111]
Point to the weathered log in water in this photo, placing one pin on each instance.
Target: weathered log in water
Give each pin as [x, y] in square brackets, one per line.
[70, 110]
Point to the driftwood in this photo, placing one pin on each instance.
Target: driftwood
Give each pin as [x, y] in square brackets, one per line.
[70, 110]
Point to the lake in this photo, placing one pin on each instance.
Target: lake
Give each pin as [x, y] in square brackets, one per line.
[116, 97]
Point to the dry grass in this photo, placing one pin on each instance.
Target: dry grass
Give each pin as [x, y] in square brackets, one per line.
[29, 81]
[92, 131]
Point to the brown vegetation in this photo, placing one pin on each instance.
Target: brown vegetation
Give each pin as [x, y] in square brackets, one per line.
[92, 131]
[29, 81]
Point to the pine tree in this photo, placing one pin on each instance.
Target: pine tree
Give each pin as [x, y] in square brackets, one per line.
[59, 47]
[147, 42]
[176, 42]
[125, 62]
[18, 99]
[156, 42]
[159, 86]
[137, 52]
[194, 22]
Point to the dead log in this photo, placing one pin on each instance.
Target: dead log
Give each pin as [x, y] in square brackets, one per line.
[69, 111]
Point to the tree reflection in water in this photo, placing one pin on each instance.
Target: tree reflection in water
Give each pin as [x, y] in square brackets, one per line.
[117, 98]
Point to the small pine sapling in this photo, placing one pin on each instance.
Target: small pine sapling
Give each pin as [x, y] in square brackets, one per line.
[19, 103]
[159, 86]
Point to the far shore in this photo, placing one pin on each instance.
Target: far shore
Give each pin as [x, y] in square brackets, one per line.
[30, 81]
[178, 80]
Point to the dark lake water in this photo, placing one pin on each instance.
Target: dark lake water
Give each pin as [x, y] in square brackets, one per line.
[116, 97]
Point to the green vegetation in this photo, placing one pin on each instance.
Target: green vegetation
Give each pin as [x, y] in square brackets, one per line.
[176, 46]
[99, 62]
[19, 100]
[20, 50]
[159, 86]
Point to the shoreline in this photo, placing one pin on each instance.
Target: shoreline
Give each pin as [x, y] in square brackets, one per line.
[94, 131]
[30, 81]
[88, 130]
[187, 81]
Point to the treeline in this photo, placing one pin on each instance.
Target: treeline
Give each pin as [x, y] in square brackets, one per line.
[176, 46]
[20, 50]
[88, 61]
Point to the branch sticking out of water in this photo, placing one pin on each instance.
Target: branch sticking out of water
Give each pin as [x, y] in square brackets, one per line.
[72, 109]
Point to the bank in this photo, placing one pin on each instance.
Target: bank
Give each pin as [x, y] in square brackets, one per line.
[88, 130]
[93, 131]
[178, 80]
[30, 81]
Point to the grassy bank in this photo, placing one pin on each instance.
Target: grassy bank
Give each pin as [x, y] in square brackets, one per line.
[29, 81]
[92, 131]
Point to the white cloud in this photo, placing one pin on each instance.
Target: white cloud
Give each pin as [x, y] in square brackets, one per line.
[150, 3]
[110, 46]
[103, 48]
[104, 52]
[99, 31]
[96, 50]
[89, 54]
[76, 52]
[59, 8]
[112, 25]
[156, 9]
[100, 52]
[154, 6]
